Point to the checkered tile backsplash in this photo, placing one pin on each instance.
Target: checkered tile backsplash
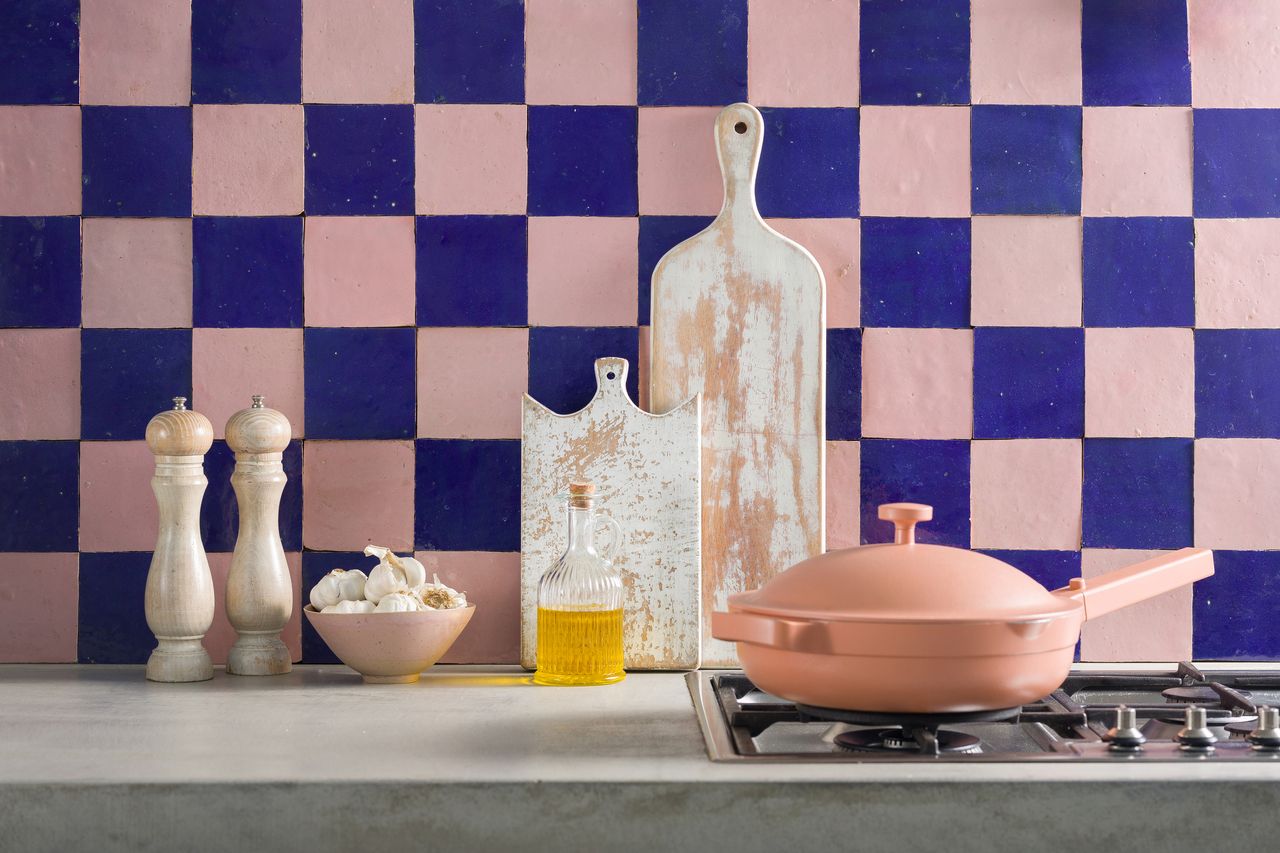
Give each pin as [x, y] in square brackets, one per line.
[1049, 230]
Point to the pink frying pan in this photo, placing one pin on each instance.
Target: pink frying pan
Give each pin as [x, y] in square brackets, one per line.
[912, 628]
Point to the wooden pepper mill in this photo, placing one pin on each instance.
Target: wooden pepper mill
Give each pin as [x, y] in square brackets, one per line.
[259, 588]
[179, 596]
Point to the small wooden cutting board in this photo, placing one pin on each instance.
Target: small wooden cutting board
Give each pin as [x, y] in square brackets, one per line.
[739, 315]
[646, 472]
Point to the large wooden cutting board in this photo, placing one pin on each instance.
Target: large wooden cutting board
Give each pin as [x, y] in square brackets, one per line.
[646, 471]
[739, 315]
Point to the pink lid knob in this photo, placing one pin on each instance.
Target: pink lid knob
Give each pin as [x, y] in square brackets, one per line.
[905, 517]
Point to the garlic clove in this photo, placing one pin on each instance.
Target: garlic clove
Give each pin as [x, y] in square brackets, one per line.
[384, 580]
[415, 574]
[327, 590]
[351, 585]
[347, 606]
[398, 602]
[437, 596]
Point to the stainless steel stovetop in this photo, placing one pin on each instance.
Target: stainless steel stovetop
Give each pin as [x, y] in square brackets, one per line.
[742, 723]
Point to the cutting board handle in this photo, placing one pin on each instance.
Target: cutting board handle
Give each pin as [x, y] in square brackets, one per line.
[739, 137]
[611, 375]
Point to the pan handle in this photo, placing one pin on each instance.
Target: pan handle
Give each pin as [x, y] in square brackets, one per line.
[1136, 583]
[740, 627]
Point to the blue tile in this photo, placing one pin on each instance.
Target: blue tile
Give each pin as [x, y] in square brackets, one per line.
[1139, 271]
[692, 54]
[469, 51]
[915, 273]
[127, 376]
[1051, 569]
[359, 160]
[844, 384]
[40, 271]
[137, 161]
[467, 495]
[1028, 383]
[39, 495]
[1026, 159]
[659, 235]
[1237, 163]
[39, 51]
[809, 163]
[582, 161]
[1135, 52]
[1234, 612]
[562, 373]
[246, 51]
[914, 51]
[1137, 492]
[929, 472]
[247, 271]
[359, 383]
[472, 270]
[1237, 383]
[315, 565]
[113, 623]
[220, 514]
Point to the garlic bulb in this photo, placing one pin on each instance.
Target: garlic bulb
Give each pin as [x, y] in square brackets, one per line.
[349, 606]
[384, 580]
[351, 585]
[397, 602]
[328, 590]
[437, 596]
[413, 572]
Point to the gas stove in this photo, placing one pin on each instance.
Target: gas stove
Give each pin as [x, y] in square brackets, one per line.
[1133, 713]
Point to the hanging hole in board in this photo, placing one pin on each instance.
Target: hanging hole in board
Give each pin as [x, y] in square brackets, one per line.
[610, 375]
[740, 127]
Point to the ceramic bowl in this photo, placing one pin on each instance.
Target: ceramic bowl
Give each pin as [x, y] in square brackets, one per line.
[390, 648]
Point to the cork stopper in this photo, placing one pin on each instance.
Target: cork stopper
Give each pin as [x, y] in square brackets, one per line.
[581, 495]
[179, 431]
[258, 429]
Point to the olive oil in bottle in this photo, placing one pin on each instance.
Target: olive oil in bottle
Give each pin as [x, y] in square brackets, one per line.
[580, 603]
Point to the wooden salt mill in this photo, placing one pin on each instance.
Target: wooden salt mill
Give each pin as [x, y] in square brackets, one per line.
[259, 588]
[179, 596]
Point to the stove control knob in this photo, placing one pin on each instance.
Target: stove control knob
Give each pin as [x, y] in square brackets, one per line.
[1126, 736]
[1266, 737]
[1196, 736]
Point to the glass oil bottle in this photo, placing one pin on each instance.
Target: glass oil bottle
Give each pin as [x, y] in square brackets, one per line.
[580, 603]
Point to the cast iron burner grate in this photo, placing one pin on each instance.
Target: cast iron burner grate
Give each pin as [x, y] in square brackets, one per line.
[922, 740]
[906, 721]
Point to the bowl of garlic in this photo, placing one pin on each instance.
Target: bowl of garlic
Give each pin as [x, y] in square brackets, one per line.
[391, 624]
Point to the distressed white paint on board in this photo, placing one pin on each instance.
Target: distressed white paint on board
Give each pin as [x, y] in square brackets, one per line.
[739, 315]
[646, 471]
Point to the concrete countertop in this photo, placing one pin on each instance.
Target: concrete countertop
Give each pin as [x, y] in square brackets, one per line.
[479, 758]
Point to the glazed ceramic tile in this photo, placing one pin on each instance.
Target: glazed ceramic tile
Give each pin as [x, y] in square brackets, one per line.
[1234, 611]
[1028, 383]
[472, 270]
[582, 270]
[1236, 170]
[844, 384]
[809, 165]
[359, 271]
[1139, 271]
[127, 375]
[117, 508]
[843, 490]
[137, 273]
[40, 148]
[470, 382]
[41, 370]
[692, 54]
[1159, 629]
[1137, 161]
[582, 161]
[1237, 487]
[468, 51]
[493, 635]
[247, 160]
[471, 158]
[357, 53]
[561, 359]
[1026, 494]
[38, 47]
[1025, 51]
[917, 383]
[1135, 52]
[915, 52]
[914, 161]
[792, 60]
[359, 159]
[1026, 271]
[915, 272]
[836, 244]
[1235, 53]
[677, 169]
[358, 492]
[932, 472]
[247, 271]
[113, 626]
[1138, 383]
[137, 161]
[1026, 159]
[38, 495]
[1237, 273]
[135, 52]
[38, 618]
[230, 365]
[1236, 392]
[467, 495]
[580, 51]
[359, 383]
[1137, 492]
[246, 53]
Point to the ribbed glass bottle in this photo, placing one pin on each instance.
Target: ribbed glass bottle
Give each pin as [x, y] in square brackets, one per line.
[580, 603]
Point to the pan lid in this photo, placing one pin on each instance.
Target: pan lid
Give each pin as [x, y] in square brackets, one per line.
[906, 581]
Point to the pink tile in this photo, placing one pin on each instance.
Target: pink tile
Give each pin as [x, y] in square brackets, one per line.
[1237, 273]
[247, 159]
[229, 366]
[1235, 53]
[470, 382]
[1026, 270]
[583, 270]
[1137, 161]
[1025, 52]
[137, 273]
[1237, 490]
[802, 53]
[39, 161]
[914, 161]
[471, 158]
[117, 507]
[917, 383]
[843, 494]
[357, 53]
[492, 583]
[358, 493]
[836, 244]
[642, 368]
[1025, 494]
[678, 172]
[41, 370]
[359, 271]
[1158, 630]
[221, 635]
[39, 607]
[1139, 383]
[135, 52]
[580, 51]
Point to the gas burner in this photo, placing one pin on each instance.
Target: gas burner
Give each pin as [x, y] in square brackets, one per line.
[906, 721]
[1199, 694]
[917, 741]
[1241, 727]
